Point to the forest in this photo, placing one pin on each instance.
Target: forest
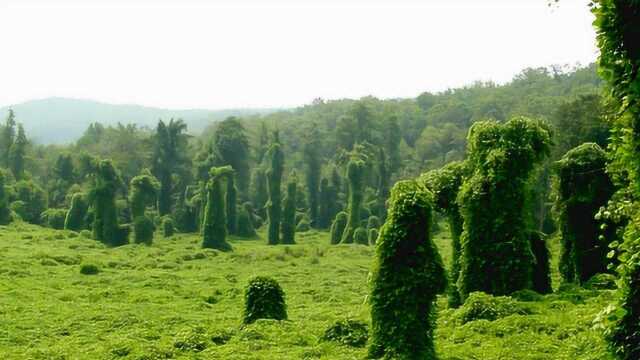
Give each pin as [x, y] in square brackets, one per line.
[491, 221]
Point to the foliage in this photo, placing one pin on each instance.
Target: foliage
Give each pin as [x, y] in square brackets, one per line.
[338, 226]
[496, 253]
[53, 218]
[33, 199]
[347, 332]
[89, 269]
[264, 299]
[231, 203]
[246, 227]
[232, 147]
[288, 225]
[479, 305]
[445, 184]
[102, 198]
[355, 175]
[77, 213]
[168, 227]
[373, 236]
[583, 187]
[17, 154]
[144, 191]
[143, 229]
[407, 276]
[313, 167]
[5, 212]
[360, 236]
[169, 158]
[215, 223]
[541, 270]
[274, 180]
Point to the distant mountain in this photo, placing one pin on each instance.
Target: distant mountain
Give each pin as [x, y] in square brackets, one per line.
[63, 120]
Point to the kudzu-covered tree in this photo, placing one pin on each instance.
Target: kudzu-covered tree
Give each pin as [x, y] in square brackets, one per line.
[408, 274]
[541, 270]
[445, 184]
[274, 180]
[169, 158]
[232, 205]
[143, 193]
[313, 167]
[496, 255]
[232, 147]
[102, 198]
[361, 236]
[355, 175]
[168, 227]
[324, 204]
[5, 211]
[337, 227]
[382, 191]
[583, 186]
[288, 228]
[259, 190]
[77, 213]
[215, 219]
[246, 227]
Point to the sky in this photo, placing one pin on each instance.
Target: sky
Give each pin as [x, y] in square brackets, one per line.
[276, 53]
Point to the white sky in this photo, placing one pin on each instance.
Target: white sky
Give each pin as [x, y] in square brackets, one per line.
[221, 54]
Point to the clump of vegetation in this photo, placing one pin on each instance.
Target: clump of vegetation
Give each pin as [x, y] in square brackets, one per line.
[192, 339]
[445, 184]
[168, 227]
[102, 197]
[288, 225]
[496, 252]
[274, 179]
[541, 271]
[215, 223]
[54, 218]
[583, 187]
[304, 224]
[481, 306]
[360, 236]
[264, 299]
[75, 219]
[348, 332]
[144, 190]
[245, 221]
[89, 269]
[337, 227]
[355, 175]
[373, 236]
[408, 274]
[5, 211]
[231, 203]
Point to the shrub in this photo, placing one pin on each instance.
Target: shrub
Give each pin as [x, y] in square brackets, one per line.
[168, 228]
[245, 221]
[601, 282]
[481, 306]
[143, 229]
[264, 299]
[33, 198]
[75, 219]
[337, 228]
[89, 269]
[54, 218]
[360, 236]
[352, 333]
[407, 276]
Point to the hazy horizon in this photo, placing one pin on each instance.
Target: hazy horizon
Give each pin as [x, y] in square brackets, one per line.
[277, 54]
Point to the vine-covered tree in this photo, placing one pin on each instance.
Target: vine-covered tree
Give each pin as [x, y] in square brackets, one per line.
[260, 194]
[288, 228]
[355, 175]
[232, 204]
[408, 274]
[496, 255]
[445, 184]
[215, 219]
[8, 136]
[102, 198]
[338, 226]
[232, 147]
[169, 158]
[246, 227]
[77, 213]
[274, 180]
[325, 198]
[313, 167]
[144, 192]
[5, 212]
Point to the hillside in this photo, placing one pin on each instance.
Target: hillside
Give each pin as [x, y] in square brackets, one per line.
[63, 120]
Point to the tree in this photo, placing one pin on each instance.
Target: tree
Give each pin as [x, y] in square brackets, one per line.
[246, 227]
[313, 166]
[260, 194]
[274, 179]
[232, 204]
[75, 219]
[215, 222]
[325, 199]
[102, 198]
[8, 135]
[355, 175]
[496, 255]
[338, 226]
[5, 212]
[144, 192]
[63, 178]
[288, 228]
[29, 201]
[382, 191]
[232, 146]
[445, 184]
[392, 136]
[17, 154]
[407, 276]
[169, 158]
[263, 143]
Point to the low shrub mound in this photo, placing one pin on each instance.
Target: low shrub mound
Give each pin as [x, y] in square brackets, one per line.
[264, 299]
[194, 339]
[360, 236]
[89, 269]
[143, 229]
[481, 306]
[352, 333]
[168, 227]
[601, 282]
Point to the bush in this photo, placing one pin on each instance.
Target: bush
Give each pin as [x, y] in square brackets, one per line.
[601, 282]
[337, 228]
[89, 269]
[264, 299]
[143, 229]
[168, 228]
[352, 333]
[33, 201]
[481, 306]
[75, 219]
[54, 218]
[245, 221]
[360, 236]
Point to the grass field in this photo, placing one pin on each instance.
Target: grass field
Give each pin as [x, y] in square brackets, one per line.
[174, 300]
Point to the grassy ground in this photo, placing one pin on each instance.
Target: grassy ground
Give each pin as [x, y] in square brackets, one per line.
[176, 300]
